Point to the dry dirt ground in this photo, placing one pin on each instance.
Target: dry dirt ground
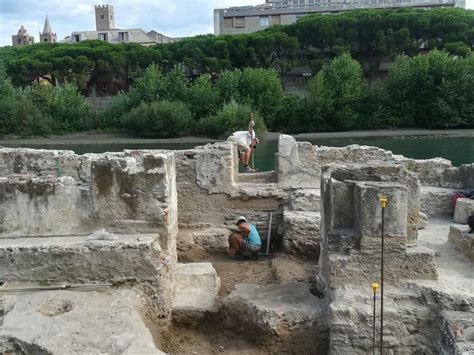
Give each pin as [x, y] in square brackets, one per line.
[209, 337]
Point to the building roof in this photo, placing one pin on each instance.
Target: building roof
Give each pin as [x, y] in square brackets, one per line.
[22, 31]
[47, 27]
[135, 35]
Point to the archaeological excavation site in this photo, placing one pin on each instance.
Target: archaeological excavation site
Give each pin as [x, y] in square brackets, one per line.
[125, 253]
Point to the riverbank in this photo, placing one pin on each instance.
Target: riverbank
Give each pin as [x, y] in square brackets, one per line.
[94, 138]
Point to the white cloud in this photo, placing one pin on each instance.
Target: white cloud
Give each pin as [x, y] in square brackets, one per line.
[180, 18]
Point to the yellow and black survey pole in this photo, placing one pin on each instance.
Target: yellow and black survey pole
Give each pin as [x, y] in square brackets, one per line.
[374, 286]
[253, 155]
[383, 204]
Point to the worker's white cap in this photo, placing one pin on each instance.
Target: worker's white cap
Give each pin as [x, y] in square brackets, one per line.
[241, 219]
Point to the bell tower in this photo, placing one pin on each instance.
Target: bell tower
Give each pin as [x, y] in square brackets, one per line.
[104, 17]
[47, 36]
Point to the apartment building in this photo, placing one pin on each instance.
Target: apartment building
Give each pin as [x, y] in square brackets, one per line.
[247, 19]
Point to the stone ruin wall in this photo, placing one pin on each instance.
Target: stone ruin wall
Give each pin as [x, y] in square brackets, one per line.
[57, 194]
[107, 217]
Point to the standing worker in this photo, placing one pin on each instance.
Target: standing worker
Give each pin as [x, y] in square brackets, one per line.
[246, 143]
[248, 242]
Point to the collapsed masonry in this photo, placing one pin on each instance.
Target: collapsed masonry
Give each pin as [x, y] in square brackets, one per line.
[119, 222]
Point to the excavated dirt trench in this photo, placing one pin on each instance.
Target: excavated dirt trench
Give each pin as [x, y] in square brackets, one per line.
[209, 336]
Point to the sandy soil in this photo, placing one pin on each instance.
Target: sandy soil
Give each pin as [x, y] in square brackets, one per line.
[209, 337]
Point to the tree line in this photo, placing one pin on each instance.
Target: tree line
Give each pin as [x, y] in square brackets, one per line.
[368, 35]
[432, 90]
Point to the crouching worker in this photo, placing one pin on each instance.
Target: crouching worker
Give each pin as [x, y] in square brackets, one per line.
[247, 242]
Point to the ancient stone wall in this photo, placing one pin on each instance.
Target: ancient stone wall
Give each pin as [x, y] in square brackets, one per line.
[210, 194]
[92, 218]
[299, 163]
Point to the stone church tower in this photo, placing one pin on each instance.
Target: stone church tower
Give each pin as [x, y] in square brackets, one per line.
[22, 38]
[104, 17]
[47, 36]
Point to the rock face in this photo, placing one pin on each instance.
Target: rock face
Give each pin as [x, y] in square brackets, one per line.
[196, 290]
[71, 322]
[464, 209]
[462, 240]
[287, 317]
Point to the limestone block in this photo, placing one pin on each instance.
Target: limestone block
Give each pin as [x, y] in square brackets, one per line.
[135, 188]
[408, 323]
[42, 206]
[305, 200]
[430, 171]
[464, 209]
[302, 234]
[195, 293]
[359, 154]
[209, 239]
[423, 221]
[116, 258]
[363, 267]
[286, 316]
[368, 213]
[387, 173]
[298, 164]
[436, 201]
[215, 167]
[72, 322]
[462, 240]
[461, 177]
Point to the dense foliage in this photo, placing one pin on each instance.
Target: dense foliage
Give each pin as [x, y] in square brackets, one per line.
[368, 35]
[210, 85]
[42, 110]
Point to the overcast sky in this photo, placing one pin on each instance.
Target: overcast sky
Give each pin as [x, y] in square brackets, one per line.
[174, 18]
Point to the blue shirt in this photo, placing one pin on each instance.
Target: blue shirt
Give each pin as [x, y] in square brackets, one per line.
[253, 237]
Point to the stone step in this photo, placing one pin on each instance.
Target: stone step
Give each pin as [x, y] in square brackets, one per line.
[195, 293]
[100, 257]
[286, 315]
[302, 234]
[258, 177]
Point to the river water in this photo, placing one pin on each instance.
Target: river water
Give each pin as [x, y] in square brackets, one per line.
[458, 149]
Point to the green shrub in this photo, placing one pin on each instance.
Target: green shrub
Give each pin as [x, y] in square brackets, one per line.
[232, 117]
[433, 90]
[228, 86]
[335, 93]
[19, 116]
[294, 115]
[112, 115]
[160, 119]
[261, 89]
[202, 97]
[67, 108]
